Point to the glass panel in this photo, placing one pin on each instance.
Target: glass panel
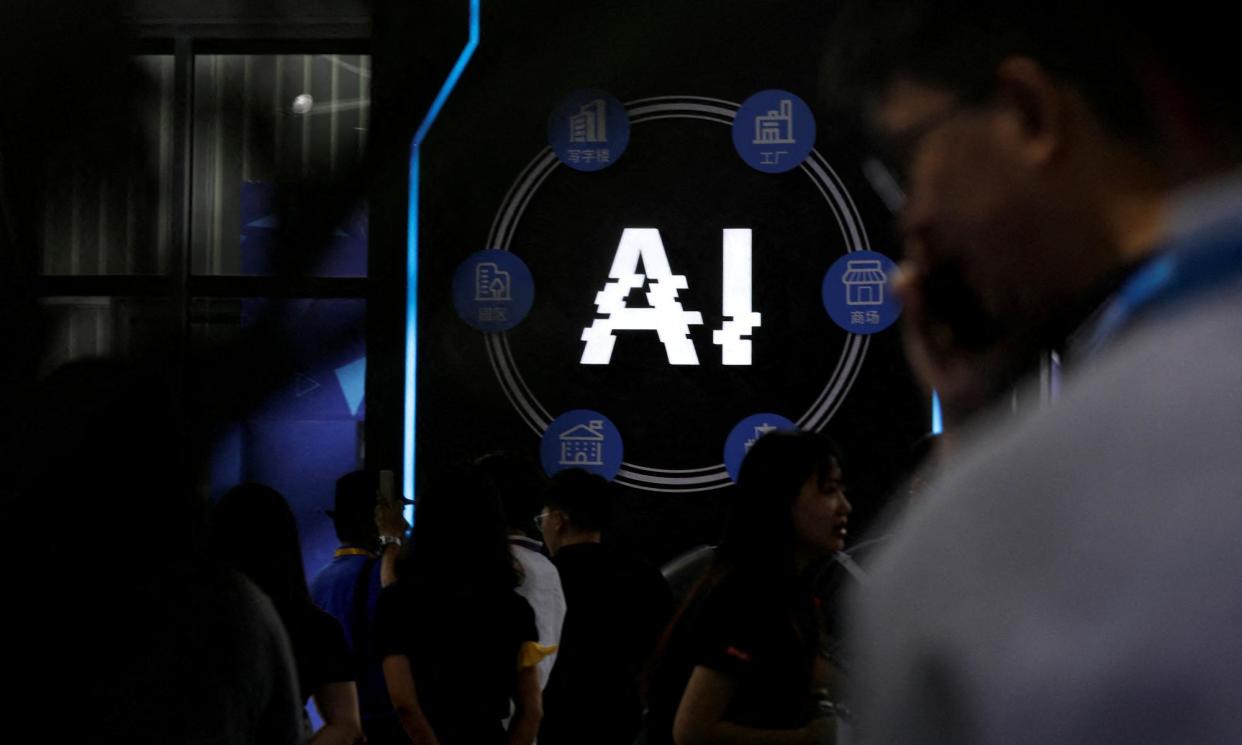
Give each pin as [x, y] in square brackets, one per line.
[307, 431]
[265, 120]
[102, 221]
[81, 327]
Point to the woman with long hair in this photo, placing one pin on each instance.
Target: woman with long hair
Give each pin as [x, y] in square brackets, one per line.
[742, 661]
[254, 532]
[458, 643]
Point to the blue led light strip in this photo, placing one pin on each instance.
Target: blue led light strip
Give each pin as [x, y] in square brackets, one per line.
[411, 281]
[937, 423]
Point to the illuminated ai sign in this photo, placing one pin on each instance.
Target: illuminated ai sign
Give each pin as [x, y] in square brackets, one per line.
[645, 267]
[665, 316]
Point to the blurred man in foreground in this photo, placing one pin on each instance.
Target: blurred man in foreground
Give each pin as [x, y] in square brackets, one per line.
[1071, 178]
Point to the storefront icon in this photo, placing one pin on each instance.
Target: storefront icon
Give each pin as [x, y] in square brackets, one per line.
[864, 282]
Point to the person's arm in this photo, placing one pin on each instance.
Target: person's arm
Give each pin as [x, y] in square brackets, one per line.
[400, 679]
[338, 707]
[700, 717]
[390, 522]
[388, 564]
[528, 707]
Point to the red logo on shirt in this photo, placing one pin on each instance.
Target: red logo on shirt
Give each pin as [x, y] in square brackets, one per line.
[735, 652]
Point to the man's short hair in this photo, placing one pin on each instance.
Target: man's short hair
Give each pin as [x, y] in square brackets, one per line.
[1099, 48]
[584, 497]
[354, 513]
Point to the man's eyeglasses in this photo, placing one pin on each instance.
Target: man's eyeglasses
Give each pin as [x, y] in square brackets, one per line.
[540, 519]
[888, 169]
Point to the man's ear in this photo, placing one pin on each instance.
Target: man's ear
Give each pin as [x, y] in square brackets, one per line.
[1039, 109]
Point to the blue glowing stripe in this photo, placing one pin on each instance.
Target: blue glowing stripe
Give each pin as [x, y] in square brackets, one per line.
[411, 338]
[937, 419]
[454, 75]
[411, 282]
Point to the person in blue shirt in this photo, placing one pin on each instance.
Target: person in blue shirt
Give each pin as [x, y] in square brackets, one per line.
[348, 588]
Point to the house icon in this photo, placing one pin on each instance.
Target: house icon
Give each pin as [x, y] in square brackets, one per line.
[864, 282]
[759, 431]
[583, 445]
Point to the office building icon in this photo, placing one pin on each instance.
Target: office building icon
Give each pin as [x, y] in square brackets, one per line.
[590, 123]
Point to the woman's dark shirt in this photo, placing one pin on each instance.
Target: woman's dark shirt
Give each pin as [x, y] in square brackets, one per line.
[463, 650]
[319, 649]
[762, 636]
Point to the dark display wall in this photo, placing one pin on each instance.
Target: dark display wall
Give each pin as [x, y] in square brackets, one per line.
[489, 180]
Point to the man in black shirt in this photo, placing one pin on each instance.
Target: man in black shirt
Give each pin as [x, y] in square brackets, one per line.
[617, 606]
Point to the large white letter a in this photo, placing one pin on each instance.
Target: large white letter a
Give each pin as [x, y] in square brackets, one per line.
[665, 316]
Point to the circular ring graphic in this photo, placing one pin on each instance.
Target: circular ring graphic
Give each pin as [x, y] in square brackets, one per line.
[518, 198]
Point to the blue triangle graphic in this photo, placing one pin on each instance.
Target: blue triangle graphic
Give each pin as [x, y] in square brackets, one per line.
[353, 379]
[304, 384]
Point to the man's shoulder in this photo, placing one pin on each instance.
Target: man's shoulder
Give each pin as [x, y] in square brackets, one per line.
[1091, 543]
[538, 571]
[640, 580]
[1167, 394]
[527, 550]
[1155, 418]
[533, 562]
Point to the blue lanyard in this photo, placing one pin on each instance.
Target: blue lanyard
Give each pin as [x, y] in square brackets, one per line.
[1168, 281]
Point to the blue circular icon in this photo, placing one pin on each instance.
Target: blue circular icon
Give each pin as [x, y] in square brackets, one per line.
[581, 439]
[493, 290]
[747, 433]
[858, 293]
[774, 131]
[588, 130]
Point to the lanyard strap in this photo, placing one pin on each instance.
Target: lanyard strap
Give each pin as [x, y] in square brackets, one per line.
[1169, 280]
[349, 551]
